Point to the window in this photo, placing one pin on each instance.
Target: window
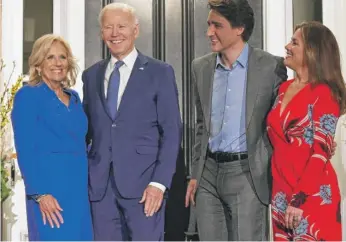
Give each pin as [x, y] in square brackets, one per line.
[307, 10]
[38, 20]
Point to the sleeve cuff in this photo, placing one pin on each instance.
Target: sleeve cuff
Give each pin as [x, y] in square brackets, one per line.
[158, 185]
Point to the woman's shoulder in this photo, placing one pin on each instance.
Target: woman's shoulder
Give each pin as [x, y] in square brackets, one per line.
[30, 94]
[322, 94]
[322, 90]
[28, 90]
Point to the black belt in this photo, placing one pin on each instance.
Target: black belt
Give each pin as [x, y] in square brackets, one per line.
[222, 157]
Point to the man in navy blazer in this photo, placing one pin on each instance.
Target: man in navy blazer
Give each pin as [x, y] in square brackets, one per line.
[131, 101]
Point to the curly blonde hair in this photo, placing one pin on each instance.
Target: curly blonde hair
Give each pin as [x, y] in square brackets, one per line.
[39, 51]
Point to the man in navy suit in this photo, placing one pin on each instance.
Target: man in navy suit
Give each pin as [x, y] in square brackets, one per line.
[131, 101]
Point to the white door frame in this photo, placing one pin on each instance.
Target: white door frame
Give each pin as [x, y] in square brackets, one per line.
[277, 26]
[69, 22]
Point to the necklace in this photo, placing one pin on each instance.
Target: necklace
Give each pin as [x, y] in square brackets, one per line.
[59, 93]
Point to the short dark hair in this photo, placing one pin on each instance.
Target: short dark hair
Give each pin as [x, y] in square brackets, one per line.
[238, 12]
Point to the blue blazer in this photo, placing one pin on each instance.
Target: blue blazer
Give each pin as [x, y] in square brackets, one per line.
[143, 141]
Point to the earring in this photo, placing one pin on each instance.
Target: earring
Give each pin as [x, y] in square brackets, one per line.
[39, 73]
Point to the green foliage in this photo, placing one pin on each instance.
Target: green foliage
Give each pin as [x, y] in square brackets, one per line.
[6, 101]
[5, 190]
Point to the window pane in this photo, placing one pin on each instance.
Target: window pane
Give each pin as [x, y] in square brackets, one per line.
[307, 10]
[38, 20]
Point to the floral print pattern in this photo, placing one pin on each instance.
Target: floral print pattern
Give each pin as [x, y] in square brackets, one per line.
[298, 199]
[303, 177]
[328, 123]
[304, 231]
[325, 194]
[309, 135]
[302, 228]
[280, 201]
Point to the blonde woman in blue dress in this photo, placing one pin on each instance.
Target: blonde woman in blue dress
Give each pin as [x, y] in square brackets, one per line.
[49, 130]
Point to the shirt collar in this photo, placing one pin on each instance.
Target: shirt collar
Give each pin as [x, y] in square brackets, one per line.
[129, 60]
[242, 58]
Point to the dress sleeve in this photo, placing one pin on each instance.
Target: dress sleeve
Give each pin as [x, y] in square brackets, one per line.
[24, 117]
[324, 114]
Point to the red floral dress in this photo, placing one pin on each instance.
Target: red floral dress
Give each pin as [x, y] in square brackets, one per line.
[303, 177]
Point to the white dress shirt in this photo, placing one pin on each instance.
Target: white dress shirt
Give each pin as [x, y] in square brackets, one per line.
[125, 72]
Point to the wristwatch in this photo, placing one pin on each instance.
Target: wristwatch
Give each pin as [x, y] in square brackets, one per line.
[37, 197]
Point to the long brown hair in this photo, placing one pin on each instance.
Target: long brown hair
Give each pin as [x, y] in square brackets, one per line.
[322, 57]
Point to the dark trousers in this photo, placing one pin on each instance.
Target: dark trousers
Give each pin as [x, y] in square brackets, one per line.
[118, 219]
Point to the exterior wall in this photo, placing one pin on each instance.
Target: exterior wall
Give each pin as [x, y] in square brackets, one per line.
[0, 31]
[333, 18]
[14, 213]
[70, 24]
[278, 26]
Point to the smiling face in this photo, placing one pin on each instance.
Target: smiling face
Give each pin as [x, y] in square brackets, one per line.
[119, 32]
[295, 51]
[221, 34]
[55, 64]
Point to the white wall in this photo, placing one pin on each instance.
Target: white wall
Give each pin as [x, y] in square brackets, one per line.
[334, 18]
[277, 26]
[69, 22]
[12, 50]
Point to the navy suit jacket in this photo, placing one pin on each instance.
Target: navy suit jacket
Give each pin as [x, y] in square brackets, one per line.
[143, 141]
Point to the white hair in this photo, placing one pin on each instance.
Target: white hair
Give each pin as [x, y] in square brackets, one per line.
[118, 6]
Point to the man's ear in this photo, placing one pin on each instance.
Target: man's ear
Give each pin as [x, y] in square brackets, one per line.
[240, 31]
[136, 30]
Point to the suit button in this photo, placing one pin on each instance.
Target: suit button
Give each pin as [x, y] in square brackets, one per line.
[114, 125]
[110, 148]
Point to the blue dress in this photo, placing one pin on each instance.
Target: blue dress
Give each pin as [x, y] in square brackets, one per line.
[50, 145]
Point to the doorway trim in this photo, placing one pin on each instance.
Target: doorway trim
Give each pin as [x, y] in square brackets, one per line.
[277, 26]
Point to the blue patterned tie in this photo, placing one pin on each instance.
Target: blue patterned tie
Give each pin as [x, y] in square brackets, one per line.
[113, 88]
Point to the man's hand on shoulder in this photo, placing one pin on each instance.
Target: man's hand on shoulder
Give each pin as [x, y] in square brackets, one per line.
[152, 199]
[332, 152]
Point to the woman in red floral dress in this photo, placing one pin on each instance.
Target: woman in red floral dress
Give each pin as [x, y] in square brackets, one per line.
[301, 126]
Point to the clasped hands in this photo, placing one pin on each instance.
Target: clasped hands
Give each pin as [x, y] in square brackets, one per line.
[152, 199]
[293, 217]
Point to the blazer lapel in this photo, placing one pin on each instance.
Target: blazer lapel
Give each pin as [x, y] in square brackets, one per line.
[136, 75]
[252, 84]
[208, 80]
[101, 85]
